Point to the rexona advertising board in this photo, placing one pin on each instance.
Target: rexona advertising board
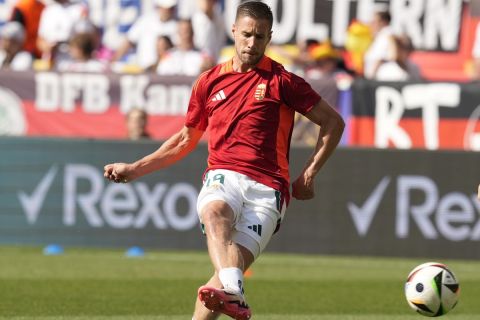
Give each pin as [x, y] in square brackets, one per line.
[368, 201]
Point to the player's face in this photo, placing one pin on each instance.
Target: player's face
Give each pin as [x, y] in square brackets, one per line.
[251, 38]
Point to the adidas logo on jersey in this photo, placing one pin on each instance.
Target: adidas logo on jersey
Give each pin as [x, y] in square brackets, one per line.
[219, 96]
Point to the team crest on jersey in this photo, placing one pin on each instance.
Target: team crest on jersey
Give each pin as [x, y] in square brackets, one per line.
[260, 92]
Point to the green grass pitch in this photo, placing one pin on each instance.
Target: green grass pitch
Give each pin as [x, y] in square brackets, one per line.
[102, 284]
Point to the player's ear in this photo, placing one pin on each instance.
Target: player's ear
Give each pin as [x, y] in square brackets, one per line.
[234, 28]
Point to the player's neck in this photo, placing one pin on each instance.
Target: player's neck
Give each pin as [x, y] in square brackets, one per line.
[239, 66]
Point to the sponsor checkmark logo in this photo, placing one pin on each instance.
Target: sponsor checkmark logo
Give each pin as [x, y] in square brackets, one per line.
[363, 215]
[32, 203]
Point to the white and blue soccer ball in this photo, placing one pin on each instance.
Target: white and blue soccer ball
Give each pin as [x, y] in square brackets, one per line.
[432, 289]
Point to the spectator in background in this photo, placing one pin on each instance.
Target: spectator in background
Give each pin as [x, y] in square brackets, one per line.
[136, 122]
[12, 56]
[378, 51]
[399, 67]
[164, 45]
[81, 49]
[27, 13]
[145, 31]
[184, 58]
[326, 65]
[101, 52]
[297, 60]
[57, 23]
[476, 55]
[359, 38]
[209, 28]
[325, 61]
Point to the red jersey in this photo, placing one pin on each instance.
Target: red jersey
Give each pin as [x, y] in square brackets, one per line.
[250, 118]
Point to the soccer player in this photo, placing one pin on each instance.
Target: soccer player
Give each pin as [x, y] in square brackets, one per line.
[248, 104]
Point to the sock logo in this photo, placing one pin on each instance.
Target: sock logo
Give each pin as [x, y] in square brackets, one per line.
[257, 228]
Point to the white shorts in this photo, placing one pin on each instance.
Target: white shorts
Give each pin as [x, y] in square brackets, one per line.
[257, 208]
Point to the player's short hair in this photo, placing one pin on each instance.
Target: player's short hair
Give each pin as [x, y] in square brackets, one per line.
[256, 10]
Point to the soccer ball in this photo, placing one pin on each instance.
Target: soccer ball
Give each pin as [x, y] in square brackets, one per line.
[432, 289]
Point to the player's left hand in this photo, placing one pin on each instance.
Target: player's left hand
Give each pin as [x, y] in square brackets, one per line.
[303, 188]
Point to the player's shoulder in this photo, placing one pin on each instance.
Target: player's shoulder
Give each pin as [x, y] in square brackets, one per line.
[279, 70]
[275, 65]
[210, 74]
[207, 77]
[219, 68]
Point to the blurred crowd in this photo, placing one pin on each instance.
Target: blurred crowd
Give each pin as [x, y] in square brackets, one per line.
[59, 35]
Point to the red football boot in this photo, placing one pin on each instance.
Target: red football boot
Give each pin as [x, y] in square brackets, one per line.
[218, 300]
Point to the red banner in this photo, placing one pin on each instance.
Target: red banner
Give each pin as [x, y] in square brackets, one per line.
[90, 105]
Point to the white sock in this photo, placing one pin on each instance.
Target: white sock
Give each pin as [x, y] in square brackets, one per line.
[232, 279]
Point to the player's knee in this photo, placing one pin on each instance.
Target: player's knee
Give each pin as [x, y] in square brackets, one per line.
[217, 215]
[216, 229]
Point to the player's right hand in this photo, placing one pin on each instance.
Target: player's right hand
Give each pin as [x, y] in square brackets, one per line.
[303, 188]
[118, 172]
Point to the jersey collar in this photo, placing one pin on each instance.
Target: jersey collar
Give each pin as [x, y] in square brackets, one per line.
[264, 64]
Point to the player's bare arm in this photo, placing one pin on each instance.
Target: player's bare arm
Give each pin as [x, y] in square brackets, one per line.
[331, 129]
[171, 151]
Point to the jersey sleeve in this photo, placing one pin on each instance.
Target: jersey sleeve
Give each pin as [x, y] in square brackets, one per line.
[197, 115]
[297, 93]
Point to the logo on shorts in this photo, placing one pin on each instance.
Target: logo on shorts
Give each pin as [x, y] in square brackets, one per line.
[257, 228]
[260, 92]
[215, 181]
